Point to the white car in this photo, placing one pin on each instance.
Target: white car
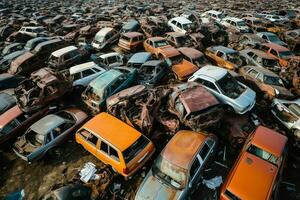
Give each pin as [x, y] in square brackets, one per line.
[236, 96]
[212, 15]
[84, 73]
[180, 24]
[276, 18]
[110, 60]
[236, 23]
[34, 31]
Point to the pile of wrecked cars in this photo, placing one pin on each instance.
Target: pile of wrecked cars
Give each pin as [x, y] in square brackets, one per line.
[155, 93]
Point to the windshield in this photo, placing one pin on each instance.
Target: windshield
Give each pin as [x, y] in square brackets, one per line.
[221, 16]
[257, 22]
[170, 174]
[262, 154]
[135, 148]
[186, 26]
[160, 43]
[99, 38]
[273, 38]
[269, 63]
[283, 54]
[34, 138]
[230, 87]
[241, 23]
[236, 59]
[181, 40]
[272, 80]
[176, 59]
[92, 94]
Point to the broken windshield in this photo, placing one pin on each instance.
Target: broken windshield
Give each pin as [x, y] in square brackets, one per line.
[230, 87]
[170, 174]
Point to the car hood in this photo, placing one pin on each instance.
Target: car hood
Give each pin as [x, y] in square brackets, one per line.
[23, 147]
[151, 188]
[168, 51]
[184, 69]
[246, 99]
[283, 92]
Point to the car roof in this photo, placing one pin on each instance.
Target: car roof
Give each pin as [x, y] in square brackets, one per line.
[37, 48]
[105, 79]
[154, 39]
[104, 31]
[190, 52]
[113, 130]
[269, 140]
[152, 63]
[212, 72]
[10, 115]
[176, 34]
[259, 53]
[214, 12]
[139, 57]
[277, 47]
[223, 49]
[246, 180]
[63, 51]
[182, 20]
[266, 33]
[263, 70]
[132, 34]
[235, 19]
[103, 56]
[82, 67]
[46, 124]
[183, 147]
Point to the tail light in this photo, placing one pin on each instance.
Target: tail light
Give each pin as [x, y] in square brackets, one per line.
[125, 170]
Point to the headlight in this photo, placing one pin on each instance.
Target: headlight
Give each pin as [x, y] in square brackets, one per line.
[276, 91]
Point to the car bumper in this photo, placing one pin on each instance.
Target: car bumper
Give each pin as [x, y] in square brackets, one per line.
[20, 155]
[241, 112]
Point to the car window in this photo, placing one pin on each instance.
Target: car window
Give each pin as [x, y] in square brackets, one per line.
[87, 72]
[204, 151]
[195, 166]
[207, 84]
[220, 54]
[253, 73]
[250, 53]
[96, 70]
[92, 139]
[67, 56]
[113, 154]
[48, 138]
[112, 59]
[116, 84]
[273, 52]
[76, 76]
[104, 147]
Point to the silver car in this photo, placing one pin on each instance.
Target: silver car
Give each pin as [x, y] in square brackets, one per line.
[236, 96]
[260, 59]
[47, 133]
[288, 113]
[177, 171]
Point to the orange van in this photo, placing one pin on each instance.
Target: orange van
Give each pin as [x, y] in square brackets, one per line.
[115, 143]
[257, 172]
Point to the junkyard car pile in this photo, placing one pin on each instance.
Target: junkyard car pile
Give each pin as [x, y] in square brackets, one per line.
[150, 100]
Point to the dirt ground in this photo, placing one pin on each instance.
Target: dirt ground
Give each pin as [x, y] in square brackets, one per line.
[62, 166]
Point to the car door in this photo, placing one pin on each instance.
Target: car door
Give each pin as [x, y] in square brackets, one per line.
[108, 154]
[87, 76]
[194, 175]
[89, 141]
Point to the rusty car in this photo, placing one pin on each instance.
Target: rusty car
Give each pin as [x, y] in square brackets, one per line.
[47, 133]
[43, 87]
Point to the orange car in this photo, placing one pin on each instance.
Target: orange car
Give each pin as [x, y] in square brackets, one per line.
[163, 50]
[281, 53]
[131, 41]
[257, 171]
[115, 143]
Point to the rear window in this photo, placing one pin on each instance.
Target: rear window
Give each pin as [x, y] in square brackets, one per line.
[125, 38]
[135, 148]
[263, 154]
[231, 196]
